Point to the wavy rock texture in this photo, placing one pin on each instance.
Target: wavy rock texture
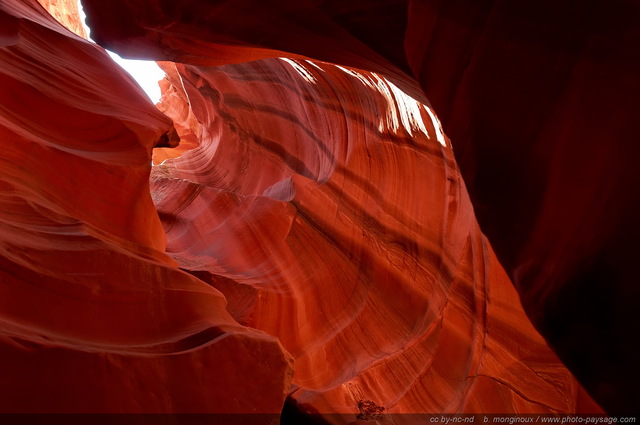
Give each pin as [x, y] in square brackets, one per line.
[316, 211]
[540, 101]
[297, 205]
[94, 317]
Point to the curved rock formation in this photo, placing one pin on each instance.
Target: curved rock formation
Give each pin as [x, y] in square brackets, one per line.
[539, 99]
[327, 206]
[312, 236]
[94, 317]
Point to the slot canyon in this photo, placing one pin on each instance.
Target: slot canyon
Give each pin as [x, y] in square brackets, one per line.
[338, 210]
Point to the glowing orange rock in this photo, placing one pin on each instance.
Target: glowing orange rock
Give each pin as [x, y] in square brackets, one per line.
[540, 101]
[65, 12]
[314, 208]
[94, 317]
[326, 205]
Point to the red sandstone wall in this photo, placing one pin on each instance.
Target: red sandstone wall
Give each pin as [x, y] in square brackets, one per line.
[320, 214]
[539, 99]
[94, 316]
[327, 206]
[65, 12]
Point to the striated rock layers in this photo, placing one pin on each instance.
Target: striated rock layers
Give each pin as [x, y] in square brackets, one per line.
[328, 208]
[311, 237]
[540, 101]
[94, 316]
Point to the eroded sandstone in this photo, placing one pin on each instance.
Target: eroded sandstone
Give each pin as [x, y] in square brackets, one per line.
[317, 222]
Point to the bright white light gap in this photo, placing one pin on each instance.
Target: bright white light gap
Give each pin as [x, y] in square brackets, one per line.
[146, 73]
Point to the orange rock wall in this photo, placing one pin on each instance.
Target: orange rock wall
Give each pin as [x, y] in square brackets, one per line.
[539, 98]
[328, 208]
[312, 236]
[65, 12]
[94, 316]
[539, 101]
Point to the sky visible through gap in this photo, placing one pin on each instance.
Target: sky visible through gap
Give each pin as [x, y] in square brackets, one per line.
[146, 73]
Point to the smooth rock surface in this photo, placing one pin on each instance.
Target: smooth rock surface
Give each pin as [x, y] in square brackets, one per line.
[327, 206]
[94, 316]
[540, 101]
[320, 241]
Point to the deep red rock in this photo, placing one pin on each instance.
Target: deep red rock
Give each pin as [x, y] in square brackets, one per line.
[539, 99]
[94, 316]
[295, 204]
[319, 211]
